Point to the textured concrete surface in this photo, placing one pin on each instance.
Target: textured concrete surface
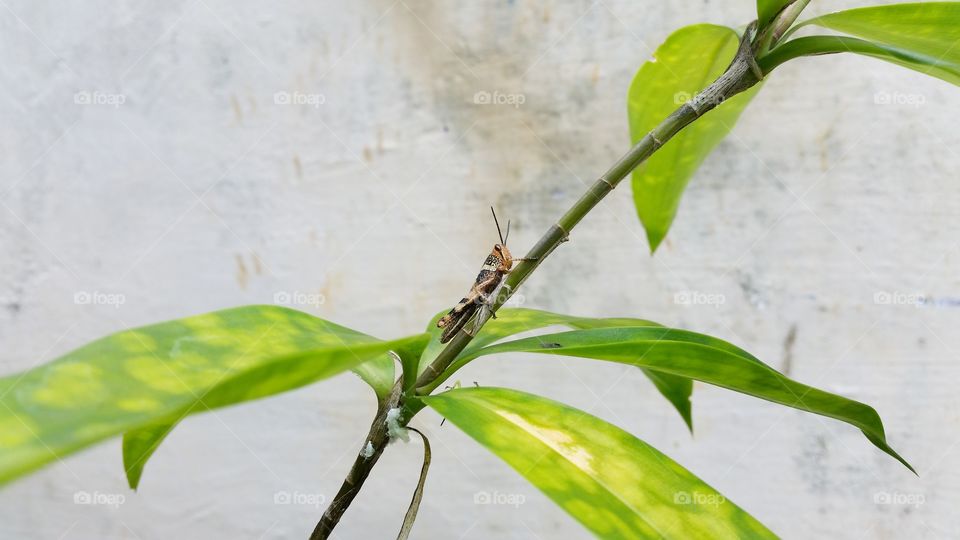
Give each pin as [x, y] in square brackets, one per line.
[147, 155]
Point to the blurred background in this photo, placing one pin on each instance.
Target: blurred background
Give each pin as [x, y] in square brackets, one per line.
[166, 159]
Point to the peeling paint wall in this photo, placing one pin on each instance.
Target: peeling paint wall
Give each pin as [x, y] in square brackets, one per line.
[196, 155]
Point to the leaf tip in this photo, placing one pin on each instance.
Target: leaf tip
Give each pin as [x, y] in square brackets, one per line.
[907, 465]
[654, 238]
[133, 478]
[881, 443]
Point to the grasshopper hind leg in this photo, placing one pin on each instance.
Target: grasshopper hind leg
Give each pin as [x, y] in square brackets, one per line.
[457, 324]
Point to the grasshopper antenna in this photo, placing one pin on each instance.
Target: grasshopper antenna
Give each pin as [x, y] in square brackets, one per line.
[507, 237]
[502, 241]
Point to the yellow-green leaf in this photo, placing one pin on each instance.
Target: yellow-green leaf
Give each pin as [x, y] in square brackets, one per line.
[613, 483]
[149, 377]
[139, 445]
[687, 62]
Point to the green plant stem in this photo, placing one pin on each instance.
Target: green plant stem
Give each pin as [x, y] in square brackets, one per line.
[742, 74]
[378, 438]
[739, 76]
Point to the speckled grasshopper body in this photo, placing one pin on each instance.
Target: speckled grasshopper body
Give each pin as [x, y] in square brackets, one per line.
[495, 267]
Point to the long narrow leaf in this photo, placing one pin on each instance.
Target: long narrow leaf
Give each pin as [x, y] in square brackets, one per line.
[706, 359]
[613, 483]
[943, 68]
[512, 321]
[928, 28]
[920, 36]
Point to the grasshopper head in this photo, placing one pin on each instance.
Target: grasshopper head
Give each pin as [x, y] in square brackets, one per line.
[501, 252]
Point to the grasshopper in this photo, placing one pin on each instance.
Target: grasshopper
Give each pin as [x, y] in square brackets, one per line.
[497, 265]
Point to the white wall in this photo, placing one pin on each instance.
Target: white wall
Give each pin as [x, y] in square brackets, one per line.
[199, 193]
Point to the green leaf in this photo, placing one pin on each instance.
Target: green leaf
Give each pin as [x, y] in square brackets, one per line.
[139, 445]
[768, 9]
[143, 379]
[378, 373]
[677, 390]
[927, 28]
[707, 359]
[613, 483]
[434, 346]
[687, 62]
[944, 68]
[919, 36]
[511, 321]
[409, 357]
